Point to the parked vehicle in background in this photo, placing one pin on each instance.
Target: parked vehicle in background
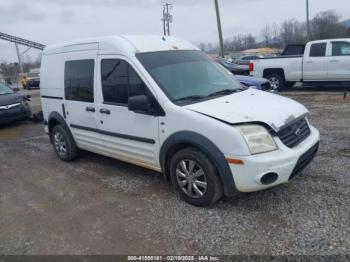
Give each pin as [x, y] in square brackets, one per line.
[245, 60]
[32, 80]
[234, 68]
[161, 103]
[321, 61]
[13, 106]
[254, 82]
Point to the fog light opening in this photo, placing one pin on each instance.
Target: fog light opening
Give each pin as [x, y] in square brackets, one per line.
[268, 178]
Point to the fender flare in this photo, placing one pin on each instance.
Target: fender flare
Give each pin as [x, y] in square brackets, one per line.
[209, 148]
[57, 117]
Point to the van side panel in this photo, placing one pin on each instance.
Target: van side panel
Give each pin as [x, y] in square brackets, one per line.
[52, 82]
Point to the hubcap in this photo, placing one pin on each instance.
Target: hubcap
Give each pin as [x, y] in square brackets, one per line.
[275, 83]
[191, 178]
[60, 144]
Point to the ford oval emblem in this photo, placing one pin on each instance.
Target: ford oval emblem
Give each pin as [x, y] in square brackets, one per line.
[297, 132]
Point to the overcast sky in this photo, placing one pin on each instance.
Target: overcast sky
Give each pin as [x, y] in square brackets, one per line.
[52, 21]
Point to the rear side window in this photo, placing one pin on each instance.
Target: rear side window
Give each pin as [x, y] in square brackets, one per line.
[79, 80]
[340, 48]
[294, 50]
[120, 81]
[318, 50]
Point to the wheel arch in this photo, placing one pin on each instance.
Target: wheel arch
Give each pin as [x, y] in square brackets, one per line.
[185, 139]
[56, 119]
[279, 71]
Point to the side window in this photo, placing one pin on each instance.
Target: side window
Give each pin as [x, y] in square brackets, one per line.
[340, 48]
[79, 80]
[136, 85]
[318, 50]
[120, 81]
[114, 74]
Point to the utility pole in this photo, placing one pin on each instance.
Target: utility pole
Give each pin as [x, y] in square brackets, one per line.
[163, 20]
[20, 64]
[307, 20]
[219, 28]
[167, 18]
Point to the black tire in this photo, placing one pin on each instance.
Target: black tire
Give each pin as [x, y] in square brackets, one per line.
[213, 191]
[71, 150]
[277, 81]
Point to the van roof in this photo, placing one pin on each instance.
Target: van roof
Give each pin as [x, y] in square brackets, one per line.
[127, 45]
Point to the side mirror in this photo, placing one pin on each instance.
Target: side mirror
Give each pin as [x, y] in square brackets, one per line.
[15, 89]
[139, 104]
[28, 96]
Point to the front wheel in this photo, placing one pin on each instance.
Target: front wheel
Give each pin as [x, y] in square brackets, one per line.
[277, 82]
[63, 143]
[195, 177]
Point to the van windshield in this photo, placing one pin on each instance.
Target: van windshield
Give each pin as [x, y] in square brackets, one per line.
[188, 76]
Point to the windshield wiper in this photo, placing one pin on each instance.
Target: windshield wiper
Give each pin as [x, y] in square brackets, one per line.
[225, 92]
[190, 98]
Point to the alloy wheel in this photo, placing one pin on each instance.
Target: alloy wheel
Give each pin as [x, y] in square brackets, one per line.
[60, 144]
[275, 83]
[191, 178]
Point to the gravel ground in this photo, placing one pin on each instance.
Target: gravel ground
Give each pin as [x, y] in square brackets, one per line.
[97, 205]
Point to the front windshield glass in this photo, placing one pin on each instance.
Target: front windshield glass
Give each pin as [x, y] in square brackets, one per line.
[188, 76]
[5, 89]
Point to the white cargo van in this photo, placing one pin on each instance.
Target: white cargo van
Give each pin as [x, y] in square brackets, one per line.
[160, 103]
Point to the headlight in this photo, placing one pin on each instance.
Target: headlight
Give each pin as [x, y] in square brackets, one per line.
[257, 138]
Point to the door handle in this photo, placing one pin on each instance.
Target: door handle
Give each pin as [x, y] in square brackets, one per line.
[334, 60]
[309, 62]
[105, 111]
[90, 109]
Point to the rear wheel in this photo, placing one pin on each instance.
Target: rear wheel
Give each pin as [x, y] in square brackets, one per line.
[277, 82]
[63, 143]
[195, 177]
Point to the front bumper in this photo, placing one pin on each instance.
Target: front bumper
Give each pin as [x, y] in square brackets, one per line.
[17, 113]
[285, 162]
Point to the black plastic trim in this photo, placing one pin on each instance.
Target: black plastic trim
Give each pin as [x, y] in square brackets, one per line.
[52, 97]
[55, 116]
[304, 160]
[209, 148]
[64, 111]
[135, 138]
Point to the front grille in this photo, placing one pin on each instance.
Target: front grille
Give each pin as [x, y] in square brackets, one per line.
[304, 160]
[266, 86]
[294, 134]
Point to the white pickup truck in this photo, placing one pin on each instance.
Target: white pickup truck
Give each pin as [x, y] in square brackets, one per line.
[318, 61]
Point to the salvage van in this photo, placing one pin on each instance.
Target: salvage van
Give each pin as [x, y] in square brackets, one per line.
[161, 103]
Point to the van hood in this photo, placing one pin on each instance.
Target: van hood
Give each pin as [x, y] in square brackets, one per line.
[252, 106]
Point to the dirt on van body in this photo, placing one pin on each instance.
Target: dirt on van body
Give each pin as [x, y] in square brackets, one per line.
[97, 205]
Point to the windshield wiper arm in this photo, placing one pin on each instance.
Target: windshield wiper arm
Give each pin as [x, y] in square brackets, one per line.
[225, 92]
[191, 98]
